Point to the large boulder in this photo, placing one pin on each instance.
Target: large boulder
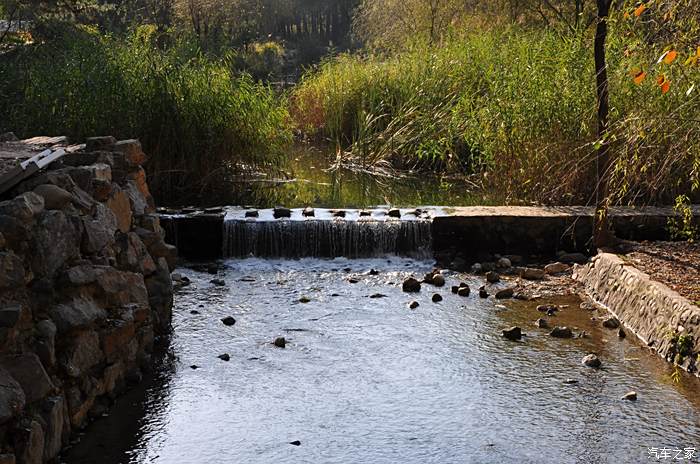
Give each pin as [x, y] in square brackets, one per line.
[52, 415]
[45, 344]
[109, 286]
[23, 207]
[76, 314]
[54, 196]
[132, 255]
[99, 230]
[82, 354]
[27, 370]
[12, 273]
[100, 143]
[29, 443]
[56, 241]
[131, 151]
[160, 296]
[120, 205]
[12, 397]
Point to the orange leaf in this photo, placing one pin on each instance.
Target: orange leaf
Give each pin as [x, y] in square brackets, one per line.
[670, 56]
[639, 77]
[640, 9]
[666, 86]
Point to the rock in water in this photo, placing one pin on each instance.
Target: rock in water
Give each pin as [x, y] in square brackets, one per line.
[413, 304]
[252, 214]
[514, 333]
[436, 298]
[455, 289]
[218, 282]
[483, 293]
[394, 212]
[630, 396]
[611, 322]
[308, 212]
[224, 357]
[463, 291]
[378, 295]
[295, 443]
[411, 285]
[281, 212]
[561, 332]
[591, 360]
[503, 263]
[228, 320]
[438, 280]
[492, 277]
[280, 342]
[541, 323]
[504, 293]
[621, 333]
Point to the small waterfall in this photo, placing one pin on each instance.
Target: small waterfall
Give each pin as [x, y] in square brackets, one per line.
[326, 238]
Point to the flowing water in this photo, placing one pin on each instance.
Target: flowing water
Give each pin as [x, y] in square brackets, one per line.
[367, 380]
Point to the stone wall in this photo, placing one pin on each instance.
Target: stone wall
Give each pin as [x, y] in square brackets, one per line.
[660, 317]
[85, 292]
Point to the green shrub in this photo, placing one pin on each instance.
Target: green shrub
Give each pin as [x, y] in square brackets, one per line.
[197, 120]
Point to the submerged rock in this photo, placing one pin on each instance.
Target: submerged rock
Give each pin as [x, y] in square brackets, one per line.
[378, 295]
[411, 285]
[611, 322]
[436, 298]
[591, 360]
[280, 342]
[561, 332]
[218, 282]
[228, 321]
[514, 333]
[630, 396]
[492, 277]
[545, 308]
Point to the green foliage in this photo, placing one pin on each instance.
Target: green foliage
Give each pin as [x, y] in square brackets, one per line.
[681, 226]
[515, 105]
[197, 120]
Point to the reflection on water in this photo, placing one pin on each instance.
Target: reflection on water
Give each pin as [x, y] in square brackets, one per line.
[308, 181]
[366, 380]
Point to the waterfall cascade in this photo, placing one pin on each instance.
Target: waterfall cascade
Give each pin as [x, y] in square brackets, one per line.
[325, 234]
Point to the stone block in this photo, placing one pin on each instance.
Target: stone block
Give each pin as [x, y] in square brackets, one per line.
[28, 371]
[12, 398]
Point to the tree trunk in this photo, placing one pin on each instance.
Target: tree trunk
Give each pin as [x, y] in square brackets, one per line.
[602, 236]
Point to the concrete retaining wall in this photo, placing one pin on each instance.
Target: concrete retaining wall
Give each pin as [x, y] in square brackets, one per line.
[660, 317]
[85, 291]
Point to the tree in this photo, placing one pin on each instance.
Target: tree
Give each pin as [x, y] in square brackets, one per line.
[602, 236]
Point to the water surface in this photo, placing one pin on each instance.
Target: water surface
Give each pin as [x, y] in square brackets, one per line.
[367, 380]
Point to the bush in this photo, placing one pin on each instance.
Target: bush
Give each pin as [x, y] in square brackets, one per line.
[197, 120]
[514, 106]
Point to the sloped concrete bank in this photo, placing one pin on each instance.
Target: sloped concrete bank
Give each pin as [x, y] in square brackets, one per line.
[659, 316]
[85, 293]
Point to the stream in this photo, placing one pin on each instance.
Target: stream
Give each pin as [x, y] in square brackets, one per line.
[367, 380]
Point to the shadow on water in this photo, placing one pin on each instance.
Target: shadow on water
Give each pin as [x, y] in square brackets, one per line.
[306, 179]
[118, 435]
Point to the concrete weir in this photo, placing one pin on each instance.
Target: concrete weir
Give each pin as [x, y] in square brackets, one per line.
[456, 232]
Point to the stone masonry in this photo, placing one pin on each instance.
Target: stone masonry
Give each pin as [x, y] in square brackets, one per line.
[85, 292]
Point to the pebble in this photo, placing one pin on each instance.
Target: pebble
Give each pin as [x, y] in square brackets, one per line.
[295, 443]
[591, 360]
[504, 293]
[413, 304]
[541, 323]
[514, 333]
[304, 299]
[224, 357]
[561, 332]
[630, 396]
[228, 320]
[492, 277]
[621, 333]
[483, 293]
[280, 342]
[436, 298]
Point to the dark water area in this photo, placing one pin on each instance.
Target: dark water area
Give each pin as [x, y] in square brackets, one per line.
[366, 380]
[307, 180]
